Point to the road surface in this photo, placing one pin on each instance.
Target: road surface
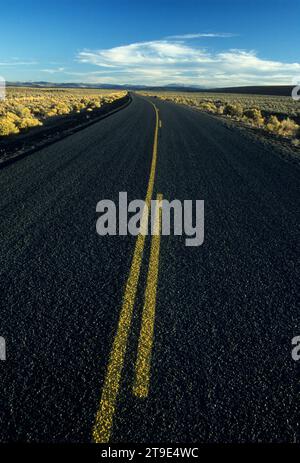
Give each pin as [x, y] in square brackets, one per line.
[224, 313]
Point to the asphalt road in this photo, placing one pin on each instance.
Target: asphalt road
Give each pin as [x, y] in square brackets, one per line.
[225, 312]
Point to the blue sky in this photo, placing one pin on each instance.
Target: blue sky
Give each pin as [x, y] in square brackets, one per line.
[205, 43]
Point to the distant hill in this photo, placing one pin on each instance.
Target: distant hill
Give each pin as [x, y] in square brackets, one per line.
[278, 90]
[274, 90]
[43, 84]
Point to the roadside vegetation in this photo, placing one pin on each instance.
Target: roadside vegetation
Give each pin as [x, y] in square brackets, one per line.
[279, 115]
[24, 108]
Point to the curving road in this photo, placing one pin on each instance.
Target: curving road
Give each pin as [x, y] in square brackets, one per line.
[225, 312]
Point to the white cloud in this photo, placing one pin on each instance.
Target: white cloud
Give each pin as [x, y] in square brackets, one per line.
[159, 52]
[161, 62]
[248, 59]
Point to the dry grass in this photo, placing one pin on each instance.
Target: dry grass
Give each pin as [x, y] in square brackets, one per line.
[29, 107]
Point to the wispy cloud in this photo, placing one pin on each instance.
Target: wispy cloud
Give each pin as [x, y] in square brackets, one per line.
[202, 35]
[17, 62]
[161, 62]
[53, 70]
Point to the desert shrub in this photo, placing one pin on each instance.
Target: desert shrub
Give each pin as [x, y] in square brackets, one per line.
[22, 118]
[234, 110]
[220, 109]
[28, 122]
[96, 105]
[273, 124]
[254, 116]
[12, 117]
[285, 128]
[77, 106]
[62, 108]
[190, 102]
[22, 111]
[208, 106]
[93, 104]
[7, 126]
[253, 113]
[50, 113]
[288, 128]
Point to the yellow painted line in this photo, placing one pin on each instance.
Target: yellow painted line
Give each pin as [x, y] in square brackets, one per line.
[143, 363]
[154, 160]
[104, 418]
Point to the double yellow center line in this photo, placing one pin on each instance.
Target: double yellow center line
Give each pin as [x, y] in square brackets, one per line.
[104, 418]
[143, 363]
